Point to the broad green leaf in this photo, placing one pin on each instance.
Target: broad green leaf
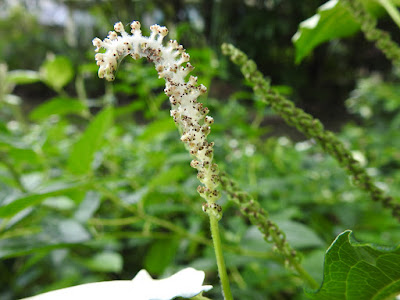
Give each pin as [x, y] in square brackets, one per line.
[57, 106]
[83, 151]
[332, 20]
[16, 205]
[106, 262]
[358, 271]
[160, 255]
[23, 76]
[57, 72]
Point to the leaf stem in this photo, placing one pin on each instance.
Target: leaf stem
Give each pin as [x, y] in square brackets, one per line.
[220, 259]
[391, 10]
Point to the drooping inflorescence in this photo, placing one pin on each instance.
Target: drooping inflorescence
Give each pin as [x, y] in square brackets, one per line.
[187, 113]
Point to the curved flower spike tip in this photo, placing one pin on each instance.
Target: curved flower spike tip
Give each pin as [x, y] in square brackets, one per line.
[186, 283]
[172, 64]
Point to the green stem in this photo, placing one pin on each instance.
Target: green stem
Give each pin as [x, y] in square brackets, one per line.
[391, 10]
[294, 261]
[305, 275]
[220, 259]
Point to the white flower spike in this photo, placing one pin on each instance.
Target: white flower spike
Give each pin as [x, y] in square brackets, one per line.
[172, 64]
[186, 283]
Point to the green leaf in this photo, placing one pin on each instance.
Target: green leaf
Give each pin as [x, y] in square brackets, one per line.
[157, 128]
[168, 176]
[23, 76]
[106, 262]
[59, 203]
[57, 72]
[299, 235]
[16, 205]
[332, 20]
[55, 233]
[57, 106]
[83, 151]
[156, 263]
[358, 271]
[88, 206]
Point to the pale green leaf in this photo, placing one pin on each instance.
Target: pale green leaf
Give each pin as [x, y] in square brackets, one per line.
[299, 235]
[23, 76]
[106, 262]
[57, 106]
[57, 72]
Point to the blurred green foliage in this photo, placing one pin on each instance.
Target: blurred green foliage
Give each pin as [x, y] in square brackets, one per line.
[95, 185]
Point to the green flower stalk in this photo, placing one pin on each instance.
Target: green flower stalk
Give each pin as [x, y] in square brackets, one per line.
[311, 128]
[270, 230]
[172, 64]
[368, 24]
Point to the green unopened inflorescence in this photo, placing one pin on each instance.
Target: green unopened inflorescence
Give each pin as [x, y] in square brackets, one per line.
[270, 230]
[310, 127]
[368, 26]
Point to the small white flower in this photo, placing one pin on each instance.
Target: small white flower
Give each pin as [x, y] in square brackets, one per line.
[186, 283]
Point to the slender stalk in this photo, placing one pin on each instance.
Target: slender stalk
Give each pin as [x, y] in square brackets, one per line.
[391, 10]
[220, 258]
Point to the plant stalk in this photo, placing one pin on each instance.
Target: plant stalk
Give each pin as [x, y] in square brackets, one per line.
[220, 259]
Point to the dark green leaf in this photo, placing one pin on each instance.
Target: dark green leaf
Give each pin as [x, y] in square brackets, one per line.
[83, 151]
[160, 255]
[357, 271]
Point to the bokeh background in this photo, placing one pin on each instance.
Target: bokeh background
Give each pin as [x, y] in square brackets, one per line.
[131, 202]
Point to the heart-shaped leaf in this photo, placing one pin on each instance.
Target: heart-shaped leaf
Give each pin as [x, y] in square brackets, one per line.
[359, 271]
